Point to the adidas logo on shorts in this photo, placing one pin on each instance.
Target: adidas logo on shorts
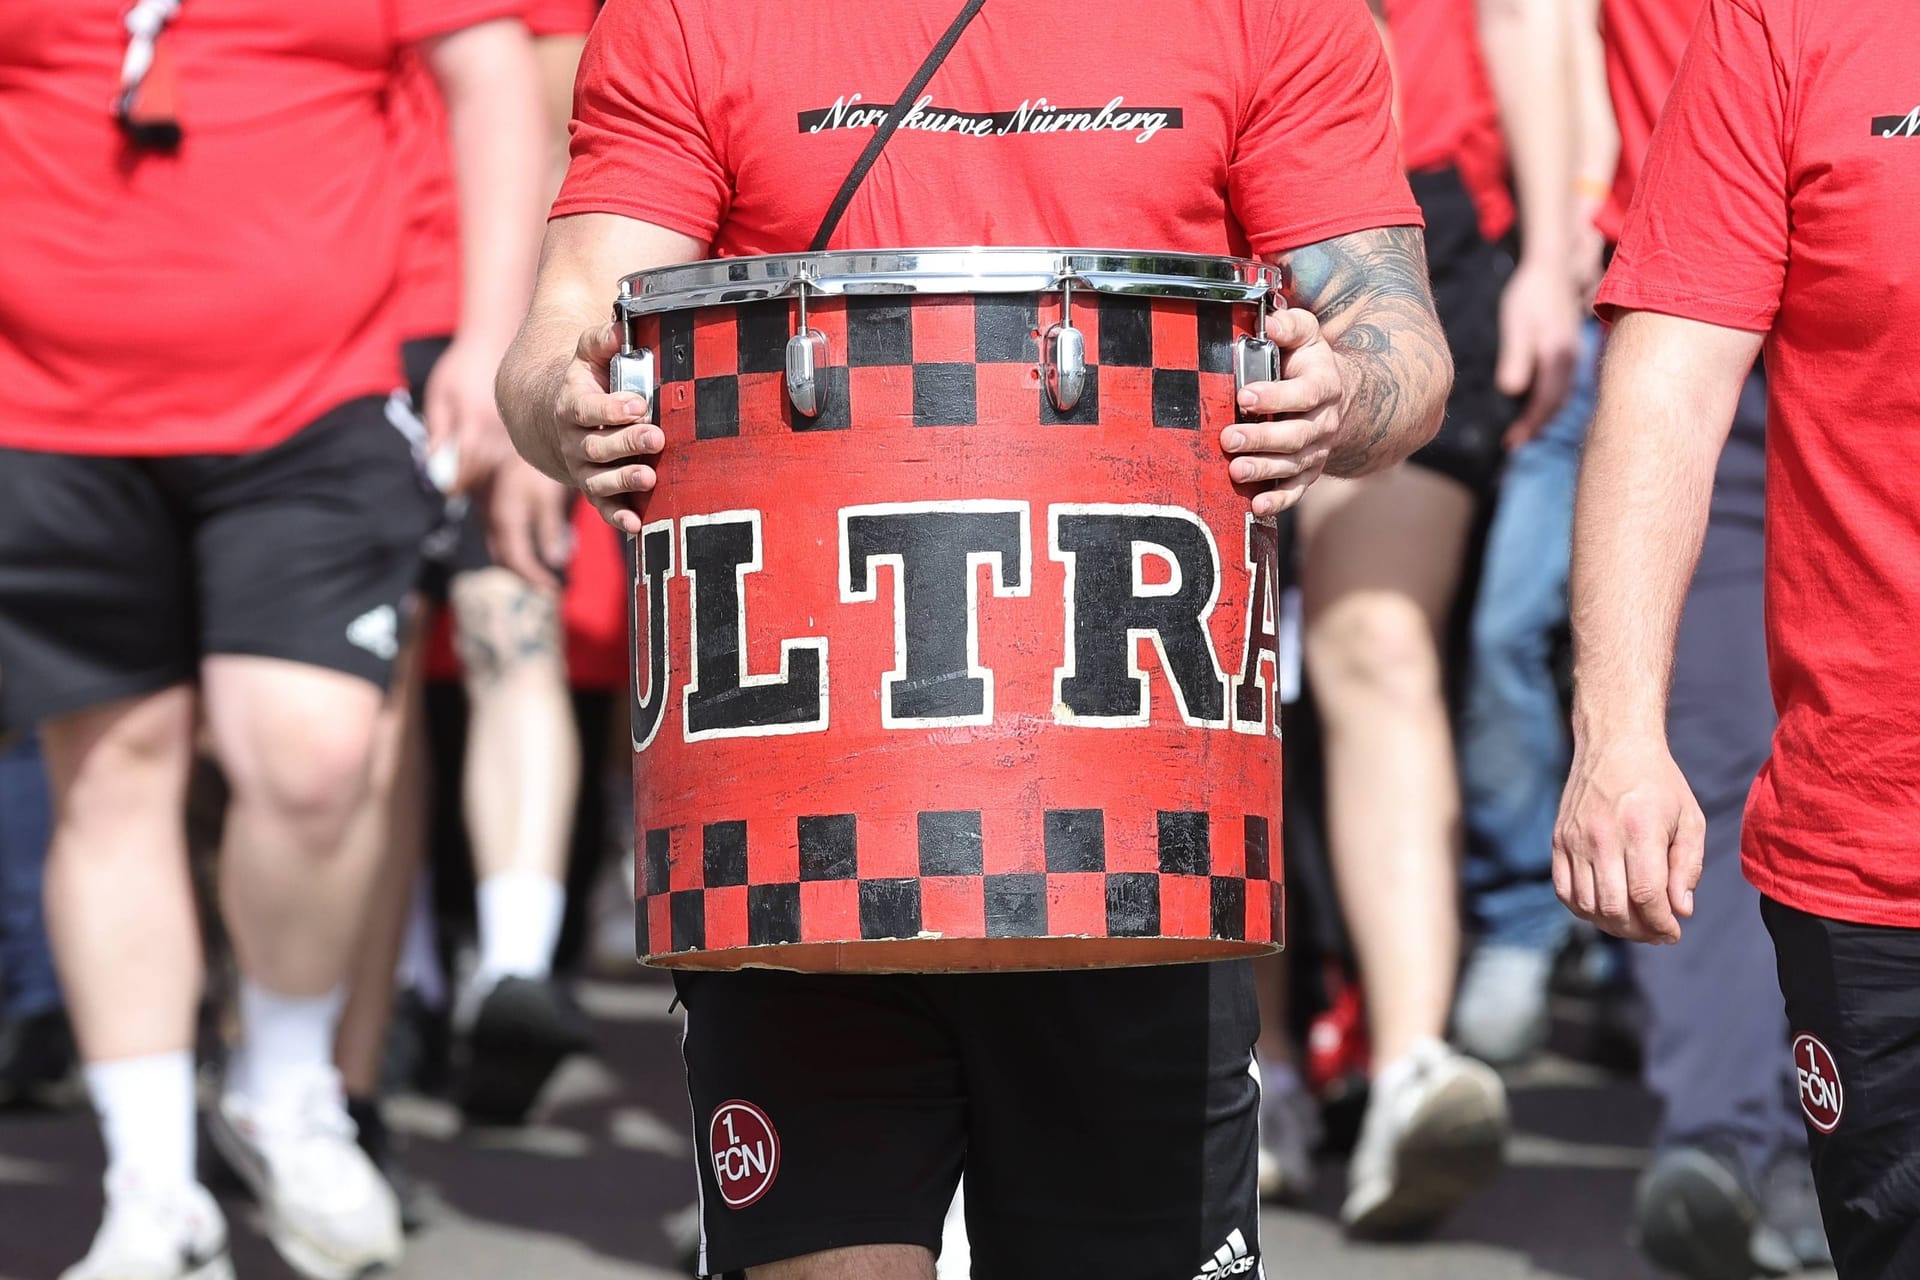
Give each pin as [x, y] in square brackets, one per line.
[1230, 1259]
[377, 631]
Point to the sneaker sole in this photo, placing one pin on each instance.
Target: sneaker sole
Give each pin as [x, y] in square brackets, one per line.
[294, 1248]
[517, 1043]
[1455, 1145]
[1693, 1218]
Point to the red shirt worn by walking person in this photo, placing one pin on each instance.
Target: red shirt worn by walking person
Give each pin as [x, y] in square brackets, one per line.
[726, 153]
[1778, 196]
[430, 265]
[1644, 41]
[1448, 118]
[217, 299]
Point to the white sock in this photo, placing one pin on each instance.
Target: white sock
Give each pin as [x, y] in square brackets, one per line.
[286, 1044]
[520, 914]
[146, 1107]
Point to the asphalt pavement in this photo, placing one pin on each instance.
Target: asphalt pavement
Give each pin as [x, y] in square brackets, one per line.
[587, 1191]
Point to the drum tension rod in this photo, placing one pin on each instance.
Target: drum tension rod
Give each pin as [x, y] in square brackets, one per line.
[806, 357]
[1064, 359]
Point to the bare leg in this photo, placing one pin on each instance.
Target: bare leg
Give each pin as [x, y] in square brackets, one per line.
[121, 917]
[1270, 985]
[391, 831]
[523, 754]
[864, 1262]
[521, 788]
[1382, 563]
[523, 759]
[296, 742]
[120, 907]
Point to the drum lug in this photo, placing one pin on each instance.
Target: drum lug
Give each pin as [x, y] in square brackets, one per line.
[1064, 358]
[1254, 360]
[632, 372]
[1066, 366]
[806, 357]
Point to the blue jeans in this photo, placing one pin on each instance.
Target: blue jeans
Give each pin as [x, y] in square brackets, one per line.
[27, 982]
[1514, 748]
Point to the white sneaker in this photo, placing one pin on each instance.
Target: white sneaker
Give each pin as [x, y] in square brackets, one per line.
[156, 1233]
[329, 1212]
[1500, 1014]
[1435, 1132]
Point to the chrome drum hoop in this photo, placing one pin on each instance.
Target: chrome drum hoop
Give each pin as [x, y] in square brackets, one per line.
[723, 281]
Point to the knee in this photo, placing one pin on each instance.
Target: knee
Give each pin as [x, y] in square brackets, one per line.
[123, 763]
[311, 781]
[1380, 650]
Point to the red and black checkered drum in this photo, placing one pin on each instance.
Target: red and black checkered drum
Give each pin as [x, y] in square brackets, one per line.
[953, 642]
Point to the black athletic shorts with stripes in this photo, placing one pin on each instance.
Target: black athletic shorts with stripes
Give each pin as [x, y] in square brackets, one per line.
[1104, 1119]
[118, 575]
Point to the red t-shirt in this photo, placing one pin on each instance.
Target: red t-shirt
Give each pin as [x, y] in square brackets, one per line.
[1644, 40]
[1778, 196]
[1218, 128]
[218, 299]
[1448, 116]
[430, 261]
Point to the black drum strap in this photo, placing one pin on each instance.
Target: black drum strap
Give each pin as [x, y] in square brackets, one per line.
[903, 104]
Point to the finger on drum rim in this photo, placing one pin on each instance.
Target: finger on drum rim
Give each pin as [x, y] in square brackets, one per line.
[1292, 326]
[598, 344]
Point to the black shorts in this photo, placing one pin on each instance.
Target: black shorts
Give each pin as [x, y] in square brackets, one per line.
[1105, 1119]
[1853, 1007]
[117, 575]
[1469, 272]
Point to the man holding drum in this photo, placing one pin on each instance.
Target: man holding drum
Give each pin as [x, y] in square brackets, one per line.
[1106, 1119]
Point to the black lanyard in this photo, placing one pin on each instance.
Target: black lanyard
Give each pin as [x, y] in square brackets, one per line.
[898, 112]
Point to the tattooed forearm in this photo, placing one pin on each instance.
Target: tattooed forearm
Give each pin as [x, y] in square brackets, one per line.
[1369, 292]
